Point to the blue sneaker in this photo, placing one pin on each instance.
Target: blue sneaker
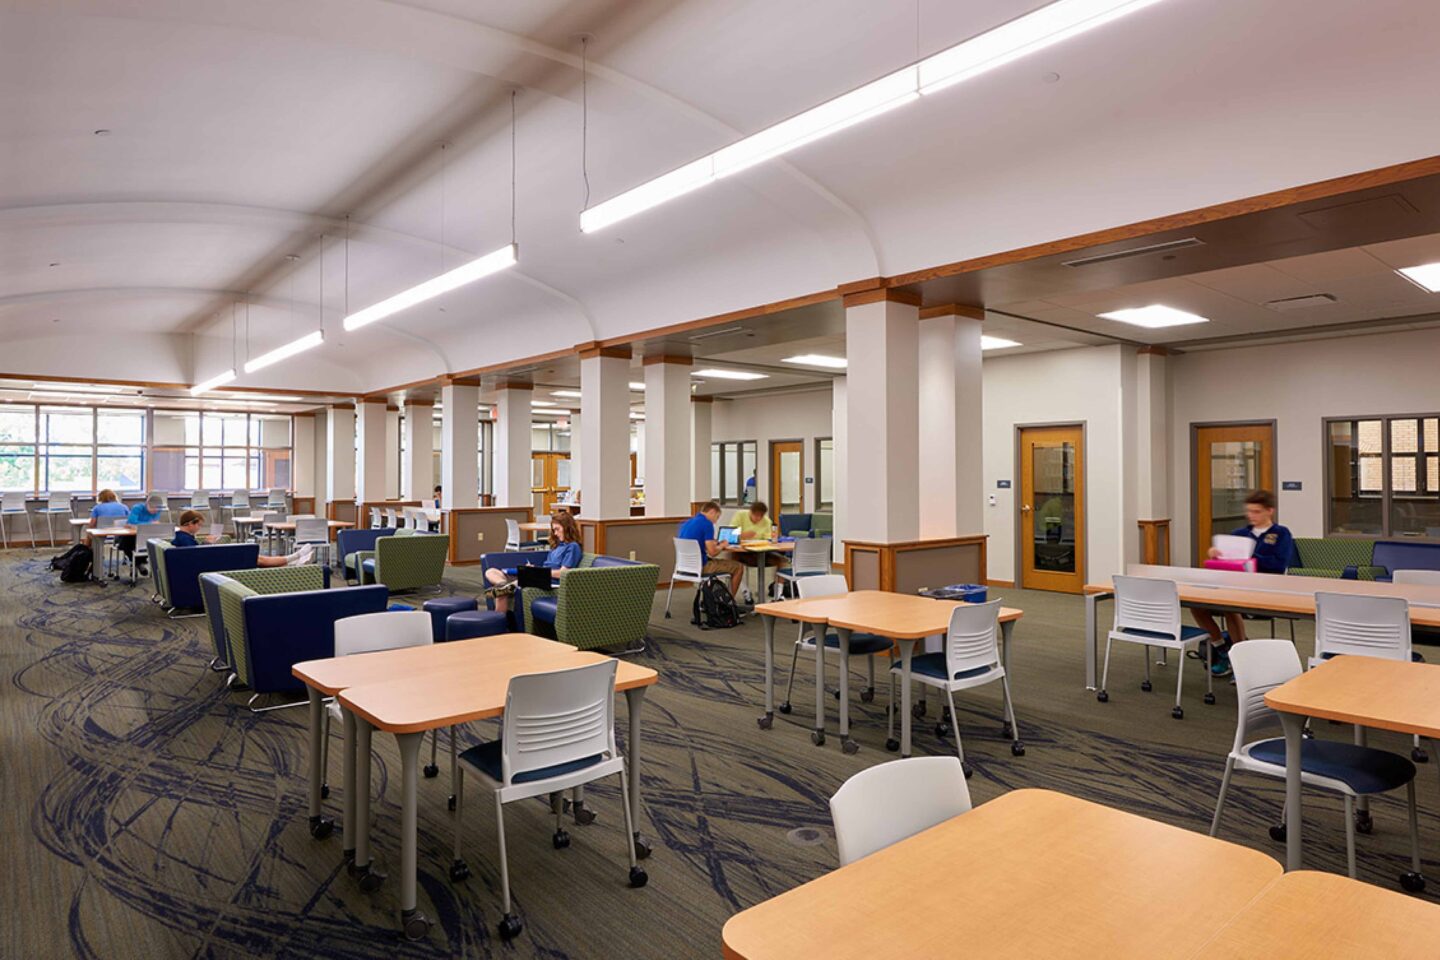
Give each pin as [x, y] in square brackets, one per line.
[1221, 666]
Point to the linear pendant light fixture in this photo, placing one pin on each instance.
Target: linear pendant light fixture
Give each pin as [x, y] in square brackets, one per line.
[220, 379]
[308, 342]
[1010, 41]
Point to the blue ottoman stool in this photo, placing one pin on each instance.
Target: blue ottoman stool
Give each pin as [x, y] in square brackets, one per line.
[440, 610]
[476, 623]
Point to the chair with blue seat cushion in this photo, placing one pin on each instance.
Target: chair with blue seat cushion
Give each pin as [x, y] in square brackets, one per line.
[507, 560]
[888, 802]
[603, 603]
[559, 734]
[811, 558]
[970, 658]
[864, 645]
[468, 624]
[1147, 612]
[1351, 770]
[514, 540]
[794, 525]
[440, 610]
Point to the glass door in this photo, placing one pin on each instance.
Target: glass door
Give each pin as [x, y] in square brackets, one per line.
[549, 480]
[1231, 460]
[1052, 509]
[787, 482]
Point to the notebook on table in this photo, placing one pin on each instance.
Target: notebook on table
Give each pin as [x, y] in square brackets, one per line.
[1236, 553]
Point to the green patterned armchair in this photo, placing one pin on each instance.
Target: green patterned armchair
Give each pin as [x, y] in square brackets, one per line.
[605, 602]
[1331, 556]
[408, 560]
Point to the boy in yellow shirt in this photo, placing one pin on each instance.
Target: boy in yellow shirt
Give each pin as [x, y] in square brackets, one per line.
[755, 524]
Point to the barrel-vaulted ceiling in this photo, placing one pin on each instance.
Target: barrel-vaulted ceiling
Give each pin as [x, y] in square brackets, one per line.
[162, 161]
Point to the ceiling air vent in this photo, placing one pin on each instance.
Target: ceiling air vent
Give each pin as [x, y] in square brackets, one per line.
[1168, 246]
[1301, 303]
[711, 334]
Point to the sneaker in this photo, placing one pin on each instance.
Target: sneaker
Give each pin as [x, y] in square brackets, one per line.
[1220, 668]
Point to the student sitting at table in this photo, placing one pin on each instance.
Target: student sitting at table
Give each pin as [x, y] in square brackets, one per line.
[437, 496]
[139, 514]
[755, 524]
[1274, 553]
[191, 521]
[565, 554]
[106, 505]
[701, 529]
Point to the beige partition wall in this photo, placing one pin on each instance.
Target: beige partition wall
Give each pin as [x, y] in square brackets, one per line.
[647, 539]
[915, 565]
[475, 531]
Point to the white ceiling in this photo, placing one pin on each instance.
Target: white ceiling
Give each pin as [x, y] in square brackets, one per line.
[243, 131]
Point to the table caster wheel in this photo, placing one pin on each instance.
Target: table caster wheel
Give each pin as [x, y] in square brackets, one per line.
[785, 707]
[638, 877]
[1413, 882]
[1419, 756]
[892, 745]
[584, 815]
[1102, 696]
[1210, 699]
[431, 771]
[450, 801]
[561, 839]
[415, 924]
[1178, 713]
[510, 927]
[459, 870]
[968, 770]
[371, 880]
[1278, 833]
[642, 848]
[1363, 823]
[867, 695]
[1018, 748]
[324, 791]
[765, 722]
[941, 730]
[817, 737]
[849, 746]
[321, 827]
[1146, 686]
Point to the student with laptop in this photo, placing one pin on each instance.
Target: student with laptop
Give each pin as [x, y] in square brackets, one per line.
[701, 529]
[107, 505]
[187, 534]
[754, 523]
[565, 553]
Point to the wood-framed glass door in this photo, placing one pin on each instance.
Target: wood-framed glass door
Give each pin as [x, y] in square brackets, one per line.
[1230, 460]
[1051, 508]
[787, 477]
[549, 479]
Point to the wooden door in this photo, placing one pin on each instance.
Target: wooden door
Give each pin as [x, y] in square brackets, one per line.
[1231, 459]
[787, 477]
[1051, 508]
[549, 480]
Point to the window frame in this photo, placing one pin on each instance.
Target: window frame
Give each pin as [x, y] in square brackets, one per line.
[1387, 493]
[821, 504]
[734, 497]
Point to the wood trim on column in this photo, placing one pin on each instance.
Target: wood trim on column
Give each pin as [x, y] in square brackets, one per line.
[952, 310]
[594, 348]
[419, 403]
[1155, 541]
[514, 385]
[651, 359]
[304, 413]
[889, 294]
[458, 380]
[695, 399]
[1153, 350]
[371, 400]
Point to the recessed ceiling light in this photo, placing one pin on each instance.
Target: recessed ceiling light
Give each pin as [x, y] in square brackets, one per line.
[720, 374]
[573, 394]
[542, 403]
[636, 386]
[817, 360]
[988, 342]
[1154, 316]
[1426, 276]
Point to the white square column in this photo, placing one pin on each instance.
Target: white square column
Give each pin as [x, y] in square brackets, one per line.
[667, 436]
[839, 459]
[459, 445]
[513, 443]
[881, 344]
[949, 416]
[1152, 436]
[417, 473]
[700, 433]
[605, 406]
[370, 451]
[340, 455]
[302, 463]
[576, 449]
[392, 453]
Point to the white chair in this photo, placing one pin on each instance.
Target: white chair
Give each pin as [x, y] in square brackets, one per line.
[971, 658]
[239, 505]
[146, 532]
[864, 645]
[1417, 578]
[558, 734]
[1347, 769]
[12, 504]
[689, 561]
[376, 520]
[275, 499]
[892, 801]
[1147, 612]
[811, 558]
[391, 520]
[263, 532]
[59, 503]
[316, 532]
[512, 537]
[199, 501]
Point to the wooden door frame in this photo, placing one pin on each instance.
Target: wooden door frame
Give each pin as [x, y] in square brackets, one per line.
[1194, 467]
[774, 502]
[1017, 486]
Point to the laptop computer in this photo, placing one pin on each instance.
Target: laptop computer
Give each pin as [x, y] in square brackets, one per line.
[728, 535]
[532, 576]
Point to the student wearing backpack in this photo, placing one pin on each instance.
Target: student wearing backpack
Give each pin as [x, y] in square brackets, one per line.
[701, 529]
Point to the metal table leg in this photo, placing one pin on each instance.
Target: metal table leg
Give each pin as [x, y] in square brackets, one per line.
[370, 878]
[414, 924]
[768, 720]
[348, 783]
[320, 826]
[1006, 629]
[907, 653]
[1294, 725]
[1091, 639]
[634, 701]
[817, 736]
[846, 743]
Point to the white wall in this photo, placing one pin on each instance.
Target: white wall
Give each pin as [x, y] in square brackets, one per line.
[788, 416]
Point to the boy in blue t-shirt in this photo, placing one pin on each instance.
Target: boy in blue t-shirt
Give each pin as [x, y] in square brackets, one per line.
[701, 529]
[1274, 553]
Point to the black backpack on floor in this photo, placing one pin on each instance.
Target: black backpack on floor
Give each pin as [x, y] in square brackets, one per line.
[714, 607]
[74, 564]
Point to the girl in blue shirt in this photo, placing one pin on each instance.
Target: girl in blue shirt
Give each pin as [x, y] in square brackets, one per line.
[565, 554]
[106, 505]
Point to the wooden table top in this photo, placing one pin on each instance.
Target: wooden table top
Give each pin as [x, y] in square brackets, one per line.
[1306, 915]
[333, 674]
[900, 615]
[1030, 874]
[1300, 604]
[762, 546]
[110, 531]
[538, 526]
[1388, 694]
[471, 688]
[290, 524]
[81, 521]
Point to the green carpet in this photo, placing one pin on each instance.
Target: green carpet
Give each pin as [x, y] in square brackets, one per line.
[148, 814]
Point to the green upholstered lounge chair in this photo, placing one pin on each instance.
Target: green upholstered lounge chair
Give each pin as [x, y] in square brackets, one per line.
[249, 583]
[605, 602]
[409, 560]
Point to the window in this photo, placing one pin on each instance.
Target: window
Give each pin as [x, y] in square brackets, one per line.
[1384, 476]
[269, 452]
[175, 463]
[120, 450]
[824, 474]
[17, 448]
[67, 440]
[732, 463]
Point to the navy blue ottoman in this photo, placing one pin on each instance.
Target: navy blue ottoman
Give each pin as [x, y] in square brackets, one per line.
[476, 623]
[440, 610]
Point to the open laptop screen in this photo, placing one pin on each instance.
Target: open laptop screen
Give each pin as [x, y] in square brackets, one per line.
[729, 535]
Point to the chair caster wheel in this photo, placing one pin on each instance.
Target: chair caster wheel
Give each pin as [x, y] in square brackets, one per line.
[371, 880]
[944, 714]
[765, 722]
[1178, 713]
[850, 747]
[867, 695]
[1210, 698]
[1006, 730]
[1146, 685]
[918, 710]
[642, 849]
[817, 737]
[431, 771]
[638, 877]
[1412, 882]
[459, 870]
[785, 707]
[1018, 748]
[450, 802]
[324, 791]
[1279, 833]
[892, 745]
[968, 770]
[1419, 756]
[1102, 696]
[835, 695]
[941, 730]
[584, 815]
[321, 827]
[1364, 823]
[415, 925]
[510, 927]
[561, 839]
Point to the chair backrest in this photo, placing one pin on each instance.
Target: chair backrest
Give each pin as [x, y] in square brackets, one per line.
[1364, 626]
[240, 499]
[512, 534]
[891, 801]
[688, 559]
[147, 531]
[1144, 603]
[375, 519]
[558, 717]
[199, 500]
[1260, 666]
[60, 501]
[273, 518]
[825, 585]
[276, 497]
[970, 642]
[312, 530]
[13, 500]
[387, 630]
[296, 517]
[811, 556]
[155, 502]
[1417, 577]
[391, 520]
[104, 522]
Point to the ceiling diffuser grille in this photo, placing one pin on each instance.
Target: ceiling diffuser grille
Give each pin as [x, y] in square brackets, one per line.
[1166, 247]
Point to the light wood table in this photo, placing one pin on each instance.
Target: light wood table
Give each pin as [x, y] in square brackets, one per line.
[757, 553]
[538, 526]
[1030, 874]
[244, 523]
[410, 692]
[904, 618]
[1305, 915]
[107, 533]
[281, 527]
[1365, 691]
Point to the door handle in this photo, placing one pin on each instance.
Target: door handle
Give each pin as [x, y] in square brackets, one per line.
[1024, 508]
